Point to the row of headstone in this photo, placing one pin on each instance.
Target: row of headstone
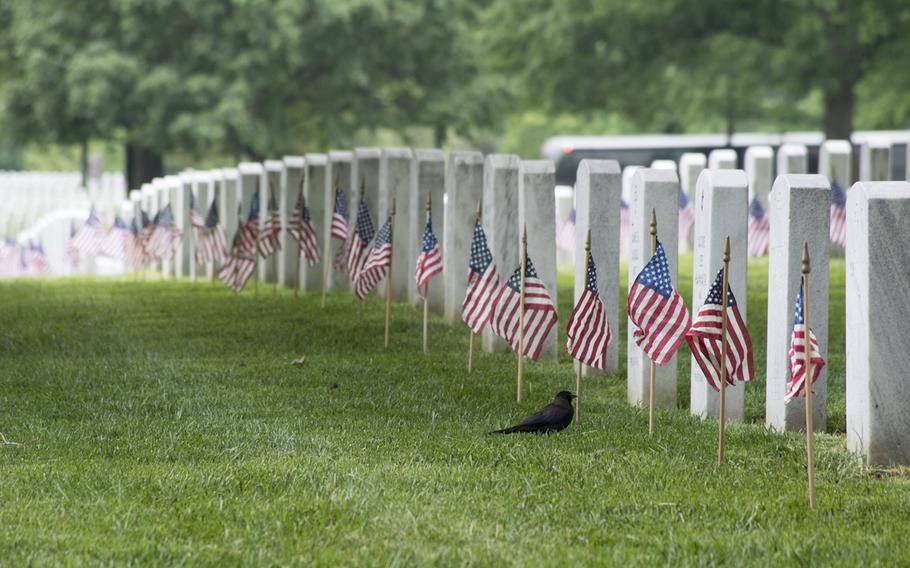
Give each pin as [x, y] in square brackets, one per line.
[878, 304]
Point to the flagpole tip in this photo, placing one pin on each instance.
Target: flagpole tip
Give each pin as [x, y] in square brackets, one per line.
[806, 266]
[588, 242]
[653, 222]
[477, 213]
[429, 201]
[524, 234]
[727, 249]
[393, 206]
[363, 187]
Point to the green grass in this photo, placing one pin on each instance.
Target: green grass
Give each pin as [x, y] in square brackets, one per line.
[162, 423]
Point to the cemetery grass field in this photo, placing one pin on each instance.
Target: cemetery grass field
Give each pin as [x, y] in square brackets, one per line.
[164, 423]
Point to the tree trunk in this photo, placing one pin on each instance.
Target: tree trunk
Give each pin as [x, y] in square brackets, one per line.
[142, 165]
[439, 135]
[839, 102]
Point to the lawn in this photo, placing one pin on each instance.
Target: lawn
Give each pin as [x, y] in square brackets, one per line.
[163, 423]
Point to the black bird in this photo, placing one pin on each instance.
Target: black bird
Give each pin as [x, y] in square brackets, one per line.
[551, 418]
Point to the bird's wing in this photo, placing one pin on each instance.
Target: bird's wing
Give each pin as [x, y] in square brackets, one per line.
[546, 416]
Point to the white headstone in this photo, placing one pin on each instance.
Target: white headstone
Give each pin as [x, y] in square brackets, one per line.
[878, 309]
[874, 159]
[250, 182]
[500, 224]
[150, 205]
[163, 191]
[721, 210]
[337, 175]
[311, 277]
[428, 176]
[202, 198]
[627, 173]
[365, 175]
[759, 166]
[722, 159]
[800, 208]
[537, 212]
[395, 183]
[270, 188]
[181, 190]
[835, 162]
[229, 203]
[690, 166]
[565, 204]
[663, 165]
[792, 159]
[464, 188]
[597, 189]
[658, 190]
[290, 187]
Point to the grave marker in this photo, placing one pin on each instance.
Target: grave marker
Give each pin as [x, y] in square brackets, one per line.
[874, 160]
[722, 159]
[337, 167]
[759, 166]
[464, 188]
[314, 189]
[792, 159]
[288, 192]
[500, 224]
[395, 184]
[835, 162]
[427, 177]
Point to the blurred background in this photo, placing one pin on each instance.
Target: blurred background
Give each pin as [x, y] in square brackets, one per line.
[155, 86]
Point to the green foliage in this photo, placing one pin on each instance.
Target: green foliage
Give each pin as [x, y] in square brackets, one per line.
[169, 427]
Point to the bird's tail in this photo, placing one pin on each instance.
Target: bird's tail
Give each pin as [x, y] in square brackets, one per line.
[510, 430]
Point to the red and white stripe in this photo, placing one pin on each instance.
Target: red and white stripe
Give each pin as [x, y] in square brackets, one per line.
[339, 226]
[838, 224]
[268, 235]
[211, 243]
[477, 308]
[796, 386]
[429, 264]
[303, 232]
[241, 263]
[759, 235]
[540, 317]
[704, 339]
[661, 323]
[588, 332]
[375, 268]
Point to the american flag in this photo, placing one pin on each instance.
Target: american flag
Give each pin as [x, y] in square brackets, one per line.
[211, 240]
[164, 236]
[657, 310]
[115, 242]
[838, 230]
[241, 263]
[90, 235]
[271, 228]
[429, 263]
[588, 332]
[36, 260]
[759, 229]
[539, 317]
[72, 253]
[340, 216]
[565, 235]
[360, 240]
[483, 283]
[301, 228]
[196, 219]
[135, 251]
[797, 382]
[704, 338]
[377, 262]
[686, 216]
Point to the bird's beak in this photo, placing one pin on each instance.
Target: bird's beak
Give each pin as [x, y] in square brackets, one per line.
[574, 395]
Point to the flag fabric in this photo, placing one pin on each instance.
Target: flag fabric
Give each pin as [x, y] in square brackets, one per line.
[657, 310]
[271, 228]
[71, 252]
[797, 383]
[565, 235]
[838, 217]
[135, 250]
[340, 216]
[300, 227]
[377, 262]
[704, 338]
[36, 260]
[360, 240]
[759, 229]
[90, 236]
[164, 237]
[196, 219]
[686, 216]
[539, 316]
[588, 332]
[241, 263]
[9, 258]
[483, 283]
[429, 262]
[115, 242]
[211, 241]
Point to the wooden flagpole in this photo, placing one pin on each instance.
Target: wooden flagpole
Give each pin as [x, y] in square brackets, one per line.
[388, 280]
[363, 185]
[652, 382]
[521, 307]
[471, 331]
[722, 411]
[578, 363]
[807, 380]
[274, 257]
[301, 198]
[327, 248]
[215, 192]
[426, 290]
